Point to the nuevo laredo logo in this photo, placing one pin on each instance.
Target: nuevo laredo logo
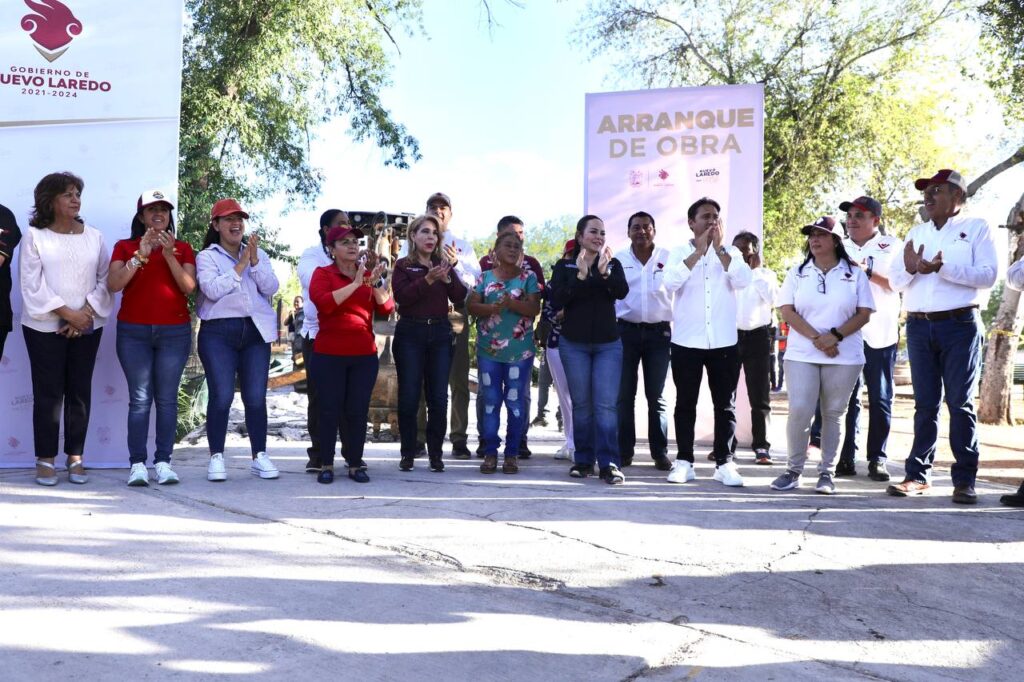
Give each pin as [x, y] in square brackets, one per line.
[707, 175]
[52, 26]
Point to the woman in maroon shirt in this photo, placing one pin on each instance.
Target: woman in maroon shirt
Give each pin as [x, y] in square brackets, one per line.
[156, 273]
[345, 364]
[424, 284]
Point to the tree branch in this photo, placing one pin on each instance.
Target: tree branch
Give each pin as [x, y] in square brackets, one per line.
[1010, 162]
[689, 47]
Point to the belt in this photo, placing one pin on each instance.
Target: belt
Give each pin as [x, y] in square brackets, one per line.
[755, 330]
[424, 320]
[644, 325]
[942, 314]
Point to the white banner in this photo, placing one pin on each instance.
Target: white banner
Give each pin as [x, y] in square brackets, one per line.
[659, 151]
[92, 87]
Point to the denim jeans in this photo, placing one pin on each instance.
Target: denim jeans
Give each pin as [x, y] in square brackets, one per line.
[508, 383]
[688, 366]
[346, 384]
[423, 358]
[648, 345]
[944, 357]
[593, 371]
[153, 356]
[229, 347]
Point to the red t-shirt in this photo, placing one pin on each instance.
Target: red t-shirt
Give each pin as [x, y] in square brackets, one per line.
[152, 296]
[345, 329]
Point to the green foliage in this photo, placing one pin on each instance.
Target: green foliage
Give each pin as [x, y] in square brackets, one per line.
[289, 289]
[544, 242]
[838, 112]
[259, 76]
[1004, 29]
[988, 315]
[192, 397]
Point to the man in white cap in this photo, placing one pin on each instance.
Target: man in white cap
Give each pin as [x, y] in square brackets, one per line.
[948, 263]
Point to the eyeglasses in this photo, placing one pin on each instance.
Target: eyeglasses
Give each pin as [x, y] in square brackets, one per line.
[821, 283]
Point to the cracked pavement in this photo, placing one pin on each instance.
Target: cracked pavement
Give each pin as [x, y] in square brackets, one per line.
[538, 576]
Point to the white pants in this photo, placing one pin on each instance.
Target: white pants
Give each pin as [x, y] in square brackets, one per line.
[808, 383]
[562, 389]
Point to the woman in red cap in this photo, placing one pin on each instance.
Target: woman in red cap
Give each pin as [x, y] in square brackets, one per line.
[236, 284]
[346, 294]
[157, 273]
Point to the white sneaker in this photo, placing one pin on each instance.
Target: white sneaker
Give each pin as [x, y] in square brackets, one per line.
[263, 467]
[682, 471]
[564, 452]
[165, 474]
[215, 471]
[728, 474]
[138, 476]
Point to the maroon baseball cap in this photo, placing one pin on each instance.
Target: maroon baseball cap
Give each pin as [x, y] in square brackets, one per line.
[863, 203]
[944, 175]
[439, 196]
[569, 246]
[826, 224]
[227, 207]
[342, 231]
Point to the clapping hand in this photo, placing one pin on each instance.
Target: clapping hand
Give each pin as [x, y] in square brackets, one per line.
[451, 254]
[438, 273]
[252, 249]
[927, 267]
[603, 261]
[911, 258]
[166, 243]
[146, 244]
[582, 265]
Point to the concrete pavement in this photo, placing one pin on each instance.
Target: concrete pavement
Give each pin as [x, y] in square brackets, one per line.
[459, 575]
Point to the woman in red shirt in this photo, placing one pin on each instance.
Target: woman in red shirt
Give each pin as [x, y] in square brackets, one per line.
[156, 272]
[344, 364]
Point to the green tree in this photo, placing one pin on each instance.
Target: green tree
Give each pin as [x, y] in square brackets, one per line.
[833, 74]
[260, 75]
[543, 241]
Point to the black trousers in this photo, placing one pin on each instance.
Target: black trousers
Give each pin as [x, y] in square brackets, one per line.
[3, 340]
[61, 377]
[313, 406]
[688, 365]
[754, 356]
[346, 385]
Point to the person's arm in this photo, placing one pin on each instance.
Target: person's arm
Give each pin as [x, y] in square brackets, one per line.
[10, 236]
[566, 286]
[736, 269]
[123, 266]
[529, 305]
[99, 299]
[263, 275]
[797, 323]
[904, 265]
[39, 298]
[677, 271]
[765, 285]
[408, 289]
[184, 274]
[308, 263]
[458, 289]
[615, 283]
[216, 284]
[984, 267]
[1015, 276]
[476, 307]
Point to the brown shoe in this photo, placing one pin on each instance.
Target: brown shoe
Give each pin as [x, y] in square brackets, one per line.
[964, 494]
[908, 488]
[510, 465]
[490, 464]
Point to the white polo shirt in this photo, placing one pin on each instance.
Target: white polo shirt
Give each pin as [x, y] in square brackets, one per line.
[312, 258]
[648, 300]
[881, 251]
[969, 266]
[704, 303]
[754, 304]
[846, 289]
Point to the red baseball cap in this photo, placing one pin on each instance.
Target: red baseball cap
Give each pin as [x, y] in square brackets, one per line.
[944, 175]
[865, 204]
[341, 231]
[569, 246]
[227, 207]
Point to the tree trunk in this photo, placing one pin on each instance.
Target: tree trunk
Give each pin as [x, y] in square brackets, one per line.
[994, 404]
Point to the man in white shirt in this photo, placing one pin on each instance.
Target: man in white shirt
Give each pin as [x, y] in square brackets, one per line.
[646, 334]
[440, 206]
[755, 312]
[874, 252]
[704, 276]
[948, 263]
[312, 258]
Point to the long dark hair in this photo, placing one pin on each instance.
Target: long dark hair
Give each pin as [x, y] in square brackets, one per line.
[139, 227]
[581, 225]
[840, 254]
[212, 236]
[46, 191]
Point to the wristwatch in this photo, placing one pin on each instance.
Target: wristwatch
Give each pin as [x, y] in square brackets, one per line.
[835, 332]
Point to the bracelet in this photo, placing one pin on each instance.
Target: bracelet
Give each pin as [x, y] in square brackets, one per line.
[136, 261]
[142, 259]
[835, 332]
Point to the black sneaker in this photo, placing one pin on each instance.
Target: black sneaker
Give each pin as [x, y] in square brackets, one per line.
[313, 466]
[524, 452]
[662, 463]
[845, 468]
[581, 470]
[627, 460]
[460, 451]
[612, 476]
[407, 462]
[540, 421]
[877, 471]
[435, 463]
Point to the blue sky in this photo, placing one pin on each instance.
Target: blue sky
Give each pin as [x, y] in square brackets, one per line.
[499, 117]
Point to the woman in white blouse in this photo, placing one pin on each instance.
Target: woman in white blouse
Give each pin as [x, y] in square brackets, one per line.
[825, 301]
[63, 275]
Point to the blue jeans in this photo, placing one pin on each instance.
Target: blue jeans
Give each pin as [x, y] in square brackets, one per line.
[153, 356]
[423, 358]
[593, 371]
[944, 354]
[878, 369]
[647, 344]
[228, 347]
[346, 384]
[508, 383]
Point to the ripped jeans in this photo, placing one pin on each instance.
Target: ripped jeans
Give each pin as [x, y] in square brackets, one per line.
[508, 383]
